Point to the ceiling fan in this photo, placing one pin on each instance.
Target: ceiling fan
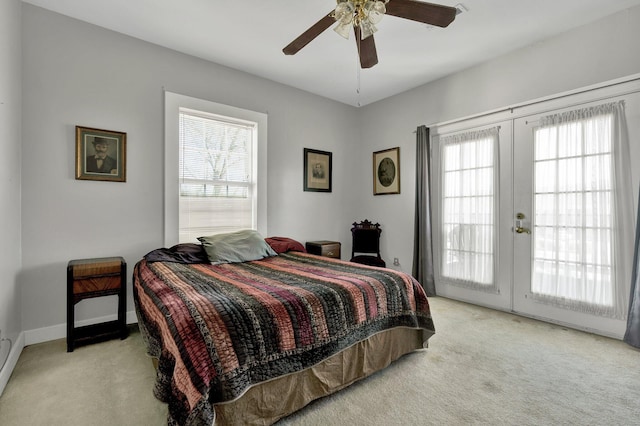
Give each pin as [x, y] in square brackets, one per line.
[362, 15]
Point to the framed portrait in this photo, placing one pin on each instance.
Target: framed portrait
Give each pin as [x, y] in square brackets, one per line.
[317, 170]
[386, 171]
[101, 154]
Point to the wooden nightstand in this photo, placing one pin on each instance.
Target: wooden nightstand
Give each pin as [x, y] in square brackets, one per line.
[88, 278]
[324, 248]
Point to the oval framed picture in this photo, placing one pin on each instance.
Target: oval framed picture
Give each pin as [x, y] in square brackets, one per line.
[386, 171]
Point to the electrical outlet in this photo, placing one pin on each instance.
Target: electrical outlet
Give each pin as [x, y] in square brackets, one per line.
[396, 262]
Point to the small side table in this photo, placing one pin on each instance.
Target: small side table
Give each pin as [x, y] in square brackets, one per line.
[324, 248]
[88, 278]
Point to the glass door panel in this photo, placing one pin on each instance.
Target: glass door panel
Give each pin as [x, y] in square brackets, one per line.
[563, 264]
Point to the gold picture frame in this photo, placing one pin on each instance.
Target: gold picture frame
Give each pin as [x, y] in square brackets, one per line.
[101, 154]
[317, 170]
[386, 171]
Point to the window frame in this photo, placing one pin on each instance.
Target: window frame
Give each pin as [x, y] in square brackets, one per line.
[173, 104]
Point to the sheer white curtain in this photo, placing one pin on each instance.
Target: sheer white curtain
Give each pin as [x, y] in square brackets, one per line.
[469, 172]
[583, 212]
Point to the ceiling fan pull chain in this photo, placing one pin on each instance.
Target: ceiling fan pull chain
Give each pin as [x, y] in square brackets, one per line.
[358, 78]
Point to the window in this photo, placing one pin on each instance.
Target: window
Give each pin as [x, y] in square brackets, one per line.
[216, 174]
[574, 246]
[468, 207]
[215, 169]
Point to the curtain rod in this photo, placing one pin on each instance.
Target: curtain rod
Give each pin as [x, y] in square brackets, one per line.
[611, 83]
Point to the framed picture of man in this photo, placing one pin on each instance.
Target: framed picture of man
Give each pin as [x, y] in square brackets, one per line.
[317, 170]
[101, 155]
[386, 171]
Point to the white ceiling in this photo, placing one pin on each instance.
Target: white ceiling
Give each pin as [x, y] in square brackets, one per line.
[249, 35]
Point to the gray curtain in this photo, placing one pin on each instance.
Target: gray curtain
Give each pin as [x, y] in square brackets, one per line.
[423, 248]
[632, 335]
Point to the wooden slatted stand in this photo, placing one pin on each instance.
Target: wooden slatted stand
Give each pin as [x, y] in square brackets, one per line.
[88, 278]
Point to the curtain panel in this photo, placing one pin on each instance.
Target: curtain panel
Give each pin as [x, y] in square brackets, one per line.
[469, 171]
[423, 247]
[586, 151]
[632, 334]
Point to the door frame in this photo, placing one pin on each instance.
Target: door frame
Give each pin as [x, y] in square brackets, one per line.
[603, 92]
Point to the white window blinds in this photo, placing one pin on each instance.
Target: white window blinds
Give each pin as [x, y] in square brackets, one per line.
[217, 179]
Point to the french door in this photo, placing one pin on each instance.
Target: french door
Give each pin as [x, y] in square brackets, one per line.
[472, 238]
[566, 237]
[555, 231]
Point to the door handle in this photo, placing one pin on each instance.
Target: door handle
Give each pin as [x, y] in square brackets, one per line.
[519, 228]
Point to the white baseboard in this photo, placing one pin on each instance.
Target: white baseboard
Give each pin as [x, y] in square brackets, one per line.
[59, 331]
[46, 334]
[12, 360]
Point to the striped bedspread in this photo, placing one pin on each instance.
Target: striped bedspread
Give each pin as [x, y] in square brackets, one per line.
[217, 330]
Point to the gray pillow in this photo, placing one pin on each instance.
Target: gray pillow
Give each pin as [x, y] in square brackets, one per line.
[240, 246]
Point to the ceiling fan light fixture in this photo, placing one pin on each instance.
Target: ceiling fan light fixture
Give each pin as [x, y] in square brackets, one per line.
[358, 13]
[343, 29]
[344, 12]
[367, 29]
[374, 11]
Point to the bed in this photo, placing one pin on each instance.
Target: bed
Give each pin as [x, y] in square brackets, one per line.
[250, 340]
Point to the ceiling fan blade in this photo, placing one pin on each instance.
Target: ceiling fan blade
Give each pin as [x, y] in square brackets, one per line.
[366, 49]
[428, 13]
[306, 37]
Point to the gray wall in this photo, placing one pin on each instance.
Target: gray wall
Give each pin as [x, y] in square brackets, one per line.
[595, 53]
[79, 74]
[10, 125]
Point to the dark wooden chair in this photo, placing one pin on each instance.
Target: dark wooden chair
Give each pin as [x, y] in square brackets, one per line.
[366, 243]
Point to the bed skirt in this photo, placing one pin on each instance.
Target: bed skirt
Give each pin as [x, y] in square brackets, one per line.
[267, 402]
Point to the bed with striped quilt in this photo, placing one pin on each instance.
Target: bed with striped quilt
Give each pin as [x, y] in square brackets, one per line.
[218, 330]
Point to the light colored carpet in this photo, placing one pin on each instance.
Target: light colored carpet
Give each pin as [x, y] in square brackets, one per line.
[483, 367]
[107, 383]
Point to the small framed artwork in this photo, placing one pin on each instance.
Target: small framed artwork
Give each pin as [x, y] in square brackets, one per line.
[386, 171]
[101, 155]
[317, 170]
